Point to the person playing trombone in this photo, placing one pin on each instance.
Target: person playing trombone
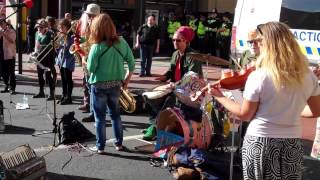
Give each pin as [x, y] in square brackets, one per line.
[46, 58]
[65, 60]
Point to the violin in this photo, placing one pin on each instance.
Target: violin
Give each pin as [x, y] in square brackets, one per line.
[229, 80]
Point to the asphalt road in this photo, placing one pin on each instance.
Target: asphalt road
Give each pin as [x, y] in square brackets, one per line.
[74, 162]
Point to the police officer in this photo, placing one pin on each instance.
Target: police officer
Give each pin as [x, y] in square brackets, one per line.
[213, 23]
[173, 26]
[224, 36]
[201, 33]
[192, 22]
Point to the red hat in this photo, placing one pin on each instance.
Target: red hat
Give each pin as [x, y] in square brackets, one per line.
[186, 32]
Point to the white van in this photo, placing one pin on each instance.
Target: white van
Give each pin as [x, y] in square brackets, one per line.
[302, 16]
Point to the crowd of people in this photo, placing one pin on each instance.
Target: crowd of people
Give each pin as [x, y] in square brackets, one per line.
[280, 90]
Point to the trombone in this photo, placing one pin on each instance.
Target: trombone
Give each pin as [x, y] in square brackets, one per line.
[54, 43]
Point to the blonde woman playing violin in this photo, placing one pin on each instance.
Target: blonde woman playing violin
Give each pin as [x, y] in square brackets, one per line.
[276, 95]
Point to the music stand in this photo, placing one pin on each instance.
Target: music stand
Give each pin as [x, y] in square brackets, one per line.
[54, 119]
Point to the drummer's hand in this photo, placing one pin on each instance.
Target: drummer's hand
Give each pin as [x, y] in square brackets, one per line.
[161, 78]
[215, 91]
[172, 85]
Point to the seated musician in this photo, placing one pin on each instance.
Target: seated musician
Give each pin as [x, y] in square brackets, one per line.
[180, 65]
[249, 57]
[253, 52]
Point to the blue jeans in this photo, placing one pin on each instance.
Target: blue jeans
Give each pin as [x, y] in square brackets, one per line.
[101, 98]
[91, 103]
[146, 53]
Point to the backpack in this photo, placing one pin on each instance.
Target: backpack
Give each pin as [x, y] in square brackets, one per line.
[70, 130]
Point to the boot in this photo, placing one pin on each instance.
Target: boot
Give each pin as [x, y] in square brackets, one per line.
[144, 131]
[65, 101]
[39, 95]
[5, 90]
[151, 134]
[51, 97]
[60, 100]
[2, 126]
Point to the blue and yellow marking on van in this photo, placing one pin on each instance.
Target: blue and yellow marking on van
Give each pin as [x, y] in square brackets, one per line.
[306, 50]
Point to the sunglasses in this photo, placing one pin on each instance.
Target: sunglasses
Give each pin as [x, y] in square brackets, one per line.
[91, 15]
[254, 41]
[176, 40]
[259, 28]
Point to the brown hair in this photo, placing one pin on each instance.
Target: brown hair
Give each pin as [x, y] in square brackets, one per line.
[103, 29]
[65, 22]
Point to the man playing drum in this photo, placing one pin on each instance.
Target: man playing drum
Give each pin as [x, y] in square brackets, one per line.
[180, 65]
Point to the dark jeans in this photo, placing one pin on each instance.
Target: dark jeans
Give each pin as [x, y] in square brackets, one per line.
[224, 48]
[146, 53]
[50, 78]
[30, 44]
[8, 68]
[212, 41]
[67, 83]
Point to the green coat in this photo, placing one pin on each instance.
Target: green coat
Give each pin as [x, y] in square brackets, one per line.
[110, 66]
[187, 63]
[246, 58]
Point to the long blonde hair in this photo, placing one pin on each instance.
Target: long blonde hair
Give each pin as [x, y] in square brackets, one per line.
[281, 56]
[103, 29]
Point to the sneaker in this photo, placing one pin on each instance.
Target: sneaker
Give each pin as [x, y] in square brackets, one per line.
[119, 148]
[89, 118]
[95, 150]
[151, 134]
[39, 95]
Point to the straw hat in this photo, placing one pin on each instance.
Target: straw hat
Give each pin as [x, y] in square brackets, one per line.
[41, 23]
[93, 9]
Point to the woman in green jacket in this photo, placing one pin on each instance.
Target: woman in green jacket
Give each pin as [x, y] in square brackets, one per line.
[105, 65]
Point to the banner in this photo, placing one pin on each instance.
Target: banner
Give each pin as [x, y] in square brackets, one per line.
[167, 139]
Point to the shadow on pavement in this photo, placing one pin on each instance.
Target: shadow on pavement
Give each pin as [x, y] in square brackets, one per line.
[128, 124]
[54, 176]
[17, 130]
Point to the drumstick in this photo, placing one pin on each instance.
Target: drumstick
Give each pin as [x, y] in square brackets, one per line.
[236, 62]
